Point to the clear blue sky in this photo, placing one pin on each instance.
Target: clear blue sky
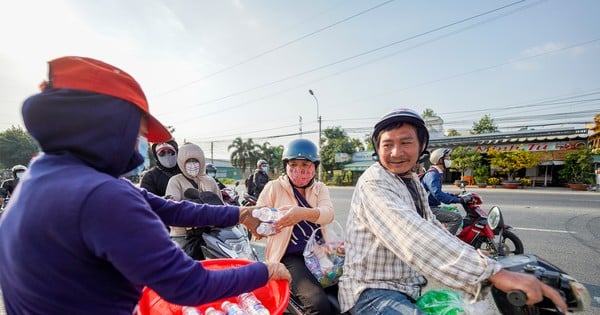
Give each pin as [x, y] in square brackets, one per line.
[216, 70]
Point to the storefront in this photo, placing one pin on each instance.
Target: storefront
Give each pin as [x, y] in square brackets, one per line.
[549, 146]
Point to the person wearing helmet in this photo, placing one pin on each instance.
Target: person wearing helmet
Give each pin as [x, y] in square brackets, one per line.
[165, 155]
[258, 180]
[211, 171]
[393, 241]
[101, 239]
[8, 186]
[306, 205]
[432, 181]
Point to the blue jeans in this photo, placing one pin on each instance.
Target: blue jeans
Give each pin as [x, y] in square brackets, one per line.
[384, 302]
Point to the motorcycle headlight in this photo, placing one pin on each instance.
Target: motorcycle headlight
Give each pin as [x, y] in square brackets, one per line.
[494, 217]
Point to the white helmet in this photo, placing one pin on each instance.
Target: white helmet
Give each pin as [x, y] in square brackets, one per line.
[438, 154]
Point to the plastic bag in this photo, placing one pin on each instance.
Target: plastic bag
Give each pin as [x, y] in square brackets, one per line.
[324, 257]
[448, 302]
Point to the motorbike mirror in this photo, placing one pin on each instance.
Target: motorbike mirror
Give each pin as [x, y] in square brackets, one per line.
[495, 218]
[237, 183]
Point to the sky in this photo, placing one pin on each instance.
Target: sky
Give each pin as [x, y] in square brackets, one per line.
[221, 69]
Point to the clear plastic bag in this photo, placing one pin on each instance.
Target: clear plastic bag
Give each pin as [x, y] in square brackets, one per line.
[448, 302]
[325, 257]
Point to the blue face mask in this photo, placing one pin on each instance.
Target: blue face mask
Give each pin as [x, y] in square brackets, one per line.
[265, 169]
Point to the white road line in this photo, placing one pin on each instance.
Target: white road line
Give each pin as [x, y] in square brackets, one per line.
[543, 230]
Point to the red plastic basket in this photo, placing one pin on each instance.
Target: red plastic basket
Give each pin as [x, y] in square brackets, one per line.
[274, 295]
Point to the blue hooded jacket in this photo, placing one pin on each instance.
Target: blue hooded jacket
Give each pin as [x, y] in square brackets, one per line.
[76, 239]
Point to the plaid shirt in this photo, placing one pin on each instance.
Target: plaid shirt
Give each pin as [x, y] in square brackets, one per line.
[390, 246]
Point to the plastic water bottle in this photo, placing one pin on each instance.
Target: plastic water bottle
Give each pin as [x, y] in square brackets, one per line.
[232, 308]
[265, 214]
[213, 311]
[252, 305]
[189, 310]
[266, 229]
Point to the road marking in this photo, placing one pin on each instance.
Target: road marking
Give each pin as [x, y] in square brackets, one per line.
[543, 230]
[597, 298]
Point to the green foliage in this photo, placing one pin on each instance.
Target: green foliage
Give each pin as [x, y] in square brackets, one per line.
[428, 112]
[244, 155]
[508, 162]
[493, 181]
[335, 141]
[485, 125]
[464, 158]
[525, 181]
[453, 133]
[481, 174]
[16, 147]
[578, 168]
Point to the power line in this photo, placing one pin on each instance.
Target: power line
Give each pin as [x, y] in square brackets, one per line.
[278, 47]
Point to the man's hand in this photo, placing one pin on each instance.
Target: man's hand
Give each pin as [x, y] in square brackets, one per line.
[534, 289]
[249, 221]
[277, 271]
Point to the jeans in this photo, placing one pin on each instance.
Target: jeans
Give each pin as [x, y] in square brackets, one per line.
[452, 220]
[384, 302]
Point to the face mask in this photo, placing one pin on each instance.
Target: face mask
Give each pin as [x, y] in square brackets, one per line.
[300, 176]
[20, 174]
[265, 169]
[192, 168]
[447, 163]
[168, 160]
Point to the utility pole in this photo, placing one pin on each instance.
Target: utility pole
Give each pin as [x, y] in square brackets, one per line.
[319, 120]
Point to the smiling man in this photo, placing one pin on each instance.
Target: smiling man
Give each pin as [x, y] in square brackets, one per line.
[393, 239]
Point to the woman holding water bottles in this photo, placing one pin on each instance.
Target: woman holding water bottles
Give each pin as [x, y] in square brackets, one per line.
[305, 205]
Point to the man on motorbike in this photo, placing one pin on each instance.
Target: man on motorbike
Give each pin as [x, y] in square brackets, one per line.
[9, 185]
[393, 240]
[259, 179]
[432, 181]
[211, 171]
[78, 239]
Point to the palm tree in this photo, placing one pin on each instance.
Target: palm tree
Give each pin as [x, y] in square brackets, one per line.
[244, 154]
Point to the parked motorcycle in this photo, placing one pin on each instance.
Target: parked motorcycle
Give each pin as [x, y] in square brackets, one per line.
[487, 230]
[218, 242]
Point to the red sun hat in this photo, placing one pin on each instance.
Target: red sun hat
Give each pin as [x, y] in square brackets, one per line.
[87, 74]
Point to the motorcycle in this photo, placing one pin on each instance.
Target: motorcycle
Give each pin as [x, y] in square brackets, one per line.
[216, 242]
[486, 230]
[576, 296]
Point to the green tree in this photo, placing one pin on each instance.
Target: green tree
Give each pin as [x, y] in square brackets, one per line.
[484, 125]
[273, 155]
[509, 162]
[16, 147]
[428, 112]
[244, 154]
[453, 133]
[465, 158]
[578, 167]
[336, 140]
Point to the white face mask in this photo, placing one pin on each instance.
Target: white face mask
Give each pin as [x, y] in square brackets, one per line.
[447, 163]
[192, 168]
[168, 160]
[20, 174]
